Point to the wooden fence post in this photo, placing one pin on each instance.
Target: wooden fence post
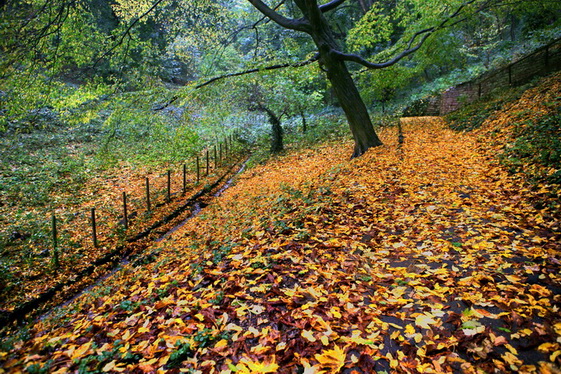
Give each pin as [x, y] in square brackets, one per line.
[94, 229]
[198, 170]
[125, 213]
[148, 194]
[55, 243]
[184, 178]
[168, 198]
[215, 159]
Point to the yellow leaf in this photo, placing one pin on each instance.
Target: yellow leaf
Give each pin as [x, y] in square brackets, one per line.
[255, 367]
[221, 344]
[511, 349]
[81, 350]
[548, 347]
[424, 320]
[335, 312]
[200, 317]
[307, 334]
[393, 362]
[332, 359]
[113, 366]
[511, 359]
[409, 329]
[324, 340]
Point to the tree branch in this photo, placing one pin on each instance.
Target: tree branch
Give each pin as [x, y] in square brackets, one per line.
[250, 71]
[168, 103]
[331, 5]
[371, 65]
[410, 48]
[126, 33]
[289, 23]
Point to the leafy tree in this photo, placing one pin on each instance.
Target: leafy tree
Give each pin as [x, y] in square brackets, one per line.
[310, 17]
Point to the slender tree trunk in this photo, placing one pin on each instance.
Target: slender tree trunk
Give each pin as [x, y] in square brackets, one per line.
[365, 5]
[352, 104]
[277, 144]
[304, 123]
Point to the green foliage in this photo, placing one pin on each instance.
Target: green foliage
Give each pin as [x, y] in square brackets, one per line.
[183, 352]
[374, 28]
[537, 142]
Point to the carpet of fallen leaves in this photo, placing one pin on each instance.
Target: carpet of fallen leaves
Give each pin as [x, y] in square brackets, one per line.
[422, 258]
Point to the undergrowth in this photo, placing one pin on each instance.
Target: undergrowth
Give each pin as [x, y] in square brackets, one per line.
[472, 116]
[537, 142]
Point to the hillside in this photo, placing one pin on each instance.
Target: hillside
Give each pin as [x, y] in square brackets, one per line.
[426, 257]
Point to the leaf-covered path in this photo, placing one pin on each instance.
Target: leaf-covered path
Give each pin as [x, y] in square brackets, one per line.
[426, 258]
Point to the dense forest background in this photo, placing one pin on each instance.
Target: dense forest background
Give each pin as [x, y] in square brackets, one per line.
[128, 70]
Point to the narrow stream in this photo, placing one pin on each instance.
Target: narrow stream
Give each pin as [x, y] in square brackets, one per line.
[231, 180]
[198, 206]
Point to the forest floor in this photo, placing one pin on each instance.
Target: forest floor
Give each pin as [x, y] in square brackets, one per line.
[425, 257]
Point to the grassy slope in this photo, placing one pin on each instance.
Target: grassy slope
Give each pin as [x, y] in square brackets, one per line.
[425, 258]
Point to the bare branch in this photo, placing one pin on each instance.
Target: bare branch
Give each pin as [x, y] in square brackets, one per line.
[371, 65]
[126, 33]
[255, 70]
[165, 105]
[289, 23]
[411, 48]
[331, 5]
[232, 37]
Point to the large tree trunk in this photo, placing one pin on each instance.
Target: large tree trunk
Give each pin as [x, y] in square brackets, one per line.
[341, 80]
[352, 104]
[315, 24]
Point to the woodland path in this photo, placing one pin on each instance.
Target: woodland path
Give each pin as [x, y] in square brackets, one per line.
[425, 258]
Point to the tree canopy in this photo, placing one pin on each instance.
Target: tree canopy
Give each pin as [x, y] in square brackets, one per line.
[63, 56]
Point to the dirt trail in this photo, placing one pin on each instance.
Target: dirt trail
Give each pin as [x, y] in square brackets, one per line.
[421, 258]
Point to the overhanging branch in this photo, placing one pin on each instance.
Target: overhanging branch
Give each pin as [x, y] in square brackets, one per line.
[411, 47]
[371, 65]
[255, 70]
[126, 32]
[331, 5]
[288, 23]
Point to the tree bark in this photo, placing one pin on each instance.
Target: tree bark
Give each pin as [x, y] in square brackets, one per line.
[352, 104]
[276, 132]
[341, 80]
[277, 144]
[304, 122]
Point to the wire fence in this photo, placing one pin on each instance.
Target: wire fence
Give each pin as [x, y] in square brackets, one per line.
[138, 204]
